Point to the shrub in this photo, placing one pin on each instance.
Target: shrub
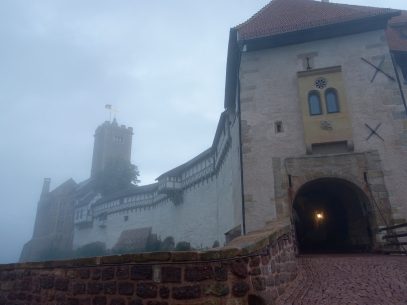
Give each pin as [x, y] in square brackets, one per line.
[168, 244]
[53, 253]
[93, 249]
[183, 246]
[153, 243]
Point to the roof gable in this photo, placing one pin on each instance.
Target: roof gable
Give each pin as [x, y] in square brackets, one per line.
[285, 16]
[65, 188]
[133, 240]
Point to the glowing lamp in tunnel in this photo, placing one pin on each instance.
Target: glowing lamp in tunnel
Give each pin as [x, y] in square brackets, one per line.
[319, 216]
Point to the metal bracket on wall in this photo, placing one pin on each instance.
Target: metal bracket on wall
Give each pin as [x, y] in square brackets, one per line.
[373, 131]
[378, 69]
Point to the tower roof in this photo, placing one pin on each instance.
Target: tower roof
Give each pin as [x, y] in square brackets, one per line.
[285, 16]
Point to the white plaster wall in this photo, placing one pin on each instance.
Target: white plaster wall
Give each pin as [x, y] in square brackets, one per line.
[198, 216]
[228, 188]
[115, 224]
[270, 93]
[213, 207]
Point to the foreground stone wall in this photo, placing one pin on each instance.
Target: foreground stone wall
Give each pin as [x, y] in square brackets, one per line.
[254, 269]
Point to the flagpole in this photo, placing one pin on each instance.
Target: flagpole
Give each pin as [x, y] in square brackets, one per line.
[109, 107]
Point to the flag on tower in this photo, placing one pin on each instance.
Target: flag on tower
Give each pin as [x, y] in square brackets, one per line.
[108, 106]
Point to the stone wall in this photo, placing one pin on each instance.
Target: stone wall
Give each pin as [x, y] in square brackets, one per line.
[269, 94]
[361, 170]
[254, 269]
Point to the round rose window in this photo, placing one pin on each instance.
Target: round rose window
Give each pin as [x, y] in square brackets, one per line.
[320, 83]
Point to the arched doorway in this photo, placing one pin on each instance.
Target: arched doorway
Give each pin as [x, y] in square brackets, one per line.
[330, 215]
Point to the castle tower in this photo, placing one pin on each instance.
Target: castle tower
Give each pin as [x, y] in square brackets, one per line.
[45, 187]
[111, 142]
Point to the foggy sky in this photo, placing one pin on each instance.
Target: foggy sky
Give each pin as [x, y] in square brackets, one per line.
[160, 63]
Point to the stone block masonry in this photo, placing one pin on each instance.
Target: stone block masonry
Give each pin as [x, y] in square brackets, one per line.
[270, 93]
[258, 266]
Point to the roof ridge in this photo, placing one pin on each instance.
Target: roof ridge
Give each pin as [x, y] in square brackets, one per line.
[321, 21]
[283, 16]
[353, 5]
[255, 15]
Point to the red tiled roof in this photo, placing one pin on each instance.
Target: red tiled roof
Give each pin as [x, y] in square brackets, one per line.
[397, 32]
[284, 16]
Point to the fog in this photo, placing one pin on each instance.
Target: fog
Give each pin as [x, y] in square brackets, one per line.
[161, 64]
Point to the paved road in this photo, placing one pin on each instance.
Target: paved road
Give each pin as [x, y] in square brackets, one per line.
[348, 280]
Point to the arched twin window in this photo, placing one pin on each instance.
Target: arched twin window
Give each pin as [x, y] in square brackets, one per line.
[331, 98]
[331, 102]
[314, 103]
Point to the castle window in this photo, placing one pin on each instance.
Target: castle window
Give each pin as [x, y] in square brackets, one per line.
[314, 103]
[331, 98]
[278, 126]
[118, 139]
[126, 217]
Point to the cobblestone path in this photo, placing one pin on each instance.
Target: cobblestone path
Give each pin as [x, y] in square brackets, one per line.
[348, 280]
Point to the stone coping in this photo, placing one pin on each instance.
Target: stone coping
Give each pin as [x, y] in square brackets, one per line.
[242, 246]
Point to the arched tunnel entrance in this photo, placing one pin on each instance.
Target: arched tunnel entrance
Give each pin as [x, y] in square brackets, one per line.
[330, 215]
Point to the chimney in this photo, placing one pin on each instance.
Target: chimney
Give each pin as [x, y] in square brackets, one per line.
[45, 187]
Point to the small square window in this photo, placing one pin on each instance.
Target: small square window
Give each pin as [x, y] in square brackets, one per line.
[126, 217]
[278, 127]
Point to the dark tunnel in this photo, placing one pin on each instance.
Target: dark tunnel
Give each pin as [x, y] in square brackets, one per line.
[331, 216]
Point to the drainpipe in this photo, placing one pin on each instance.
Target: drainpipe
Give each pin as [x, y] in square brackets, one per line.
[403, 98]
[240, 46]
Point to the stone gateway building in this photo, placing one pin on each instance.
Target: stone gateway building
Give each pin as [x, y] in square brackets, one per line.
[314, 129]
